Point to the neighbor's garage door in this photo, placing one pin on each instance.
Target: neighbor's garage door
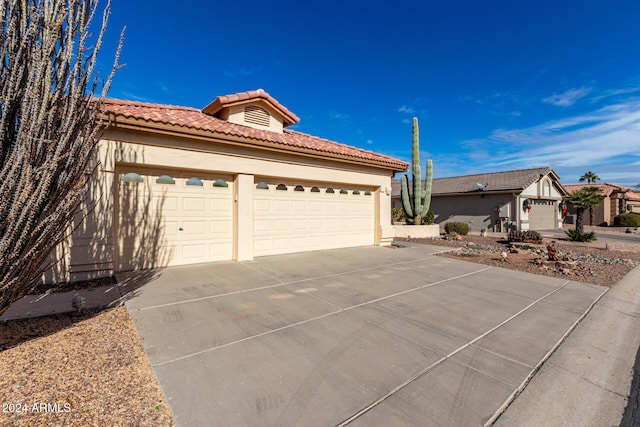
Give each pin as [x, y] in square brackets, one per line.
[173, 218]
[542, 215]
[292, 218]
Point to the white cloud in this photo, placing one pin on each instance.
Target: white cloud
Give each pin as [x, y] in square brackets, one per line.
[369, 141]
[134, 96]
[239, 72]
[568, 97]
[406, 109]
[337, 116]
[600, 139]
[614, 92]
[161, 86]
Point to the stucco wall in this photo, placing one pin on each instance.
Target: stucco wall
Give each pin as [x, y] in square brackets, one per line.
[90, 250]
[544, 188]
[601, 213]
[480, 211]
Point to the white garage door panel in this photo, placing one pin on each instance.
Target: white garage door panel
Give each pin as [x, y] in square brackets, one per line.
[293, 221]
[174, 224]
[193, 252]
[542, 215]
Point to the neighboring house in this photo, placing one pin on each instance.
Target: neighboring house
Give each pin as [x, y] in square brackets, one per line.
[179, 185]
[526, 199]
[615, 200]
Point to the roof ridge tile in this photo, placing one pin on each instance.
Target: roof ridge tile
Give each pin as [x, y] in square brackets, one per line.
[193, 118]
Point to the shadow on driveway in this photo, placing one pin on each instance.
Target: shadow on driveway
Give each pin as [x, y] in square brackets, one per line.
[369, 336]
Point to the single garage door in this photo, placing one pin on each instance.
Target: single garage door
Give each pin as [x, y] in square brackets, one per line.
[172, 218]
[292, 218]
[542, 215]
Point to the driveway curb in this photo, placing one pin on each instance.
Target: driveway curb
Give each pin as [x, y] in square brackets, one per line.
[535, 370]
[587, 379]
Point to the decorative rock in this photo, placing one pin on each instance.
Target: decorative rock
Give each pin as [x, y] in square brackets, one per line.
[566, 264]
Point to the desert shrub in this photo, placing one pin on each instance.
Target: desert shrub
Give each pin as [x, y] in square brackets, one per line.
[456, 227]
[576, 236]
[631, 219]
[525, 236]
[429, 218]
[397, 214]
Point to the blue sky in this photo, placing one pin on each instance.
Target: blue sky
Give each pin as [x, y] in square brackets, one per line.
[496, 85]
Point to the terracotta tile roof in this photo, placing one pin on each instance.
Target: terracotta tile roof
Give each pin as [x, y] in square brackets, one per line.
[606, 188]
[227, 100]
[497, 182]
[632, 195]
[191, 118]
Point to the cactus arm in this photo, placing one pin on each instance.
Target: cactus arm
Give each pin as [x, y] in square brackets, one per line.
[417, 172]
[426, 200]
[406, 202]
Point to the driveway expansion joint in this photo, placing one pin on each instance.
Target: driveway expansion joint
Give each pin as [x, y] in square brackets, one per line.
[542, 361]
[586, 379]
[281, 283]
[341, 310]
[420, 374]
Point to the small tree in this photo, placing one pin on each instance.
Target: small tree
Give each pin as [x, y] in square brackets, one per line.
[48, 130]
[590, 178]
[582, 200]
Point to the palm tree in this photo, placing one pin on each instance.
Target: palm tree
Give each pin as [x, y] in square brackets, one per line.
[583, 199]
[590, 177]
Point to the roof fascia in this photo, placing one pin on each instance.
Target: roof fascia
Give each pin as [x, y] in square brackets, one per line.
[179, 131]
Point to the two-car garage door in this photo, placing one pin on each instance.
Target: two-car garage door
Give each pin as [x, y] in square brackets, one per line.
[171, 217]
[294, 218]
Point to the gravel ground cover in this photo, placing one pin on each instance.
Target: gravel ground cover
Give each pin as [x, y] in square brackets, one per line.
[78, 370]
[598, 262]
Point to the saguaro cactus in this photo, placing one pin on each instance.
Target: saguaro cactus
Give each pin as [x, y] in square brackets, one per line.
[416, 207]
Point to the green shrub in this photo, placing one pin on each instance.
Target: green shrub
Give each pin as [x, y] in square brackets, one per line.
[631, 219]
[525, 236]
[429, 218]
[456, 227]
[576, 236]
[397, 214]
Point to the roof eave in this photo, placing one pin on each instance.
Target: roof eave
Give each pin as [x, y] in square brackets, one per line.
[124, 122]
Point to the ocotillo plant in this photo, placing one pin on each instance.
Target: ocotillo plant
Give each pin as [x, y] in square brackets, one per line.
[416, 207]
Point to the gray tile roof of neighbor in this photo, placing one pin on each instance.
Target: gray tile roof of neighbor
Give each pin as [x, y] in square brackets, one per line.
[496, 182]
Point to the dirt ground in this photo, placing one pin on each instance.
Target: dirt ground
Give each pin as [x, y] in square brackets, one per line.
[598, 262]
[78, 370]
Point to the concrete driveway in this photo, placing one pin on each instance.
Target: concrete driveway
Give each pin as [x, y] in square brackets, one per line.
[368, 336]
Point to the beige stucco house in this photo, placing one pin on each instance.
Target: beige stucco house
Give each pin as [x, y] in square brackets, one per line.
[179, 185]
[527, 199]
[615, 200]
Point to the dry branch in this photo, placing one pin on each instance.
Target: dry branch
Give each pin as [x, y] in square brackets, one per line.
[48, 130]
